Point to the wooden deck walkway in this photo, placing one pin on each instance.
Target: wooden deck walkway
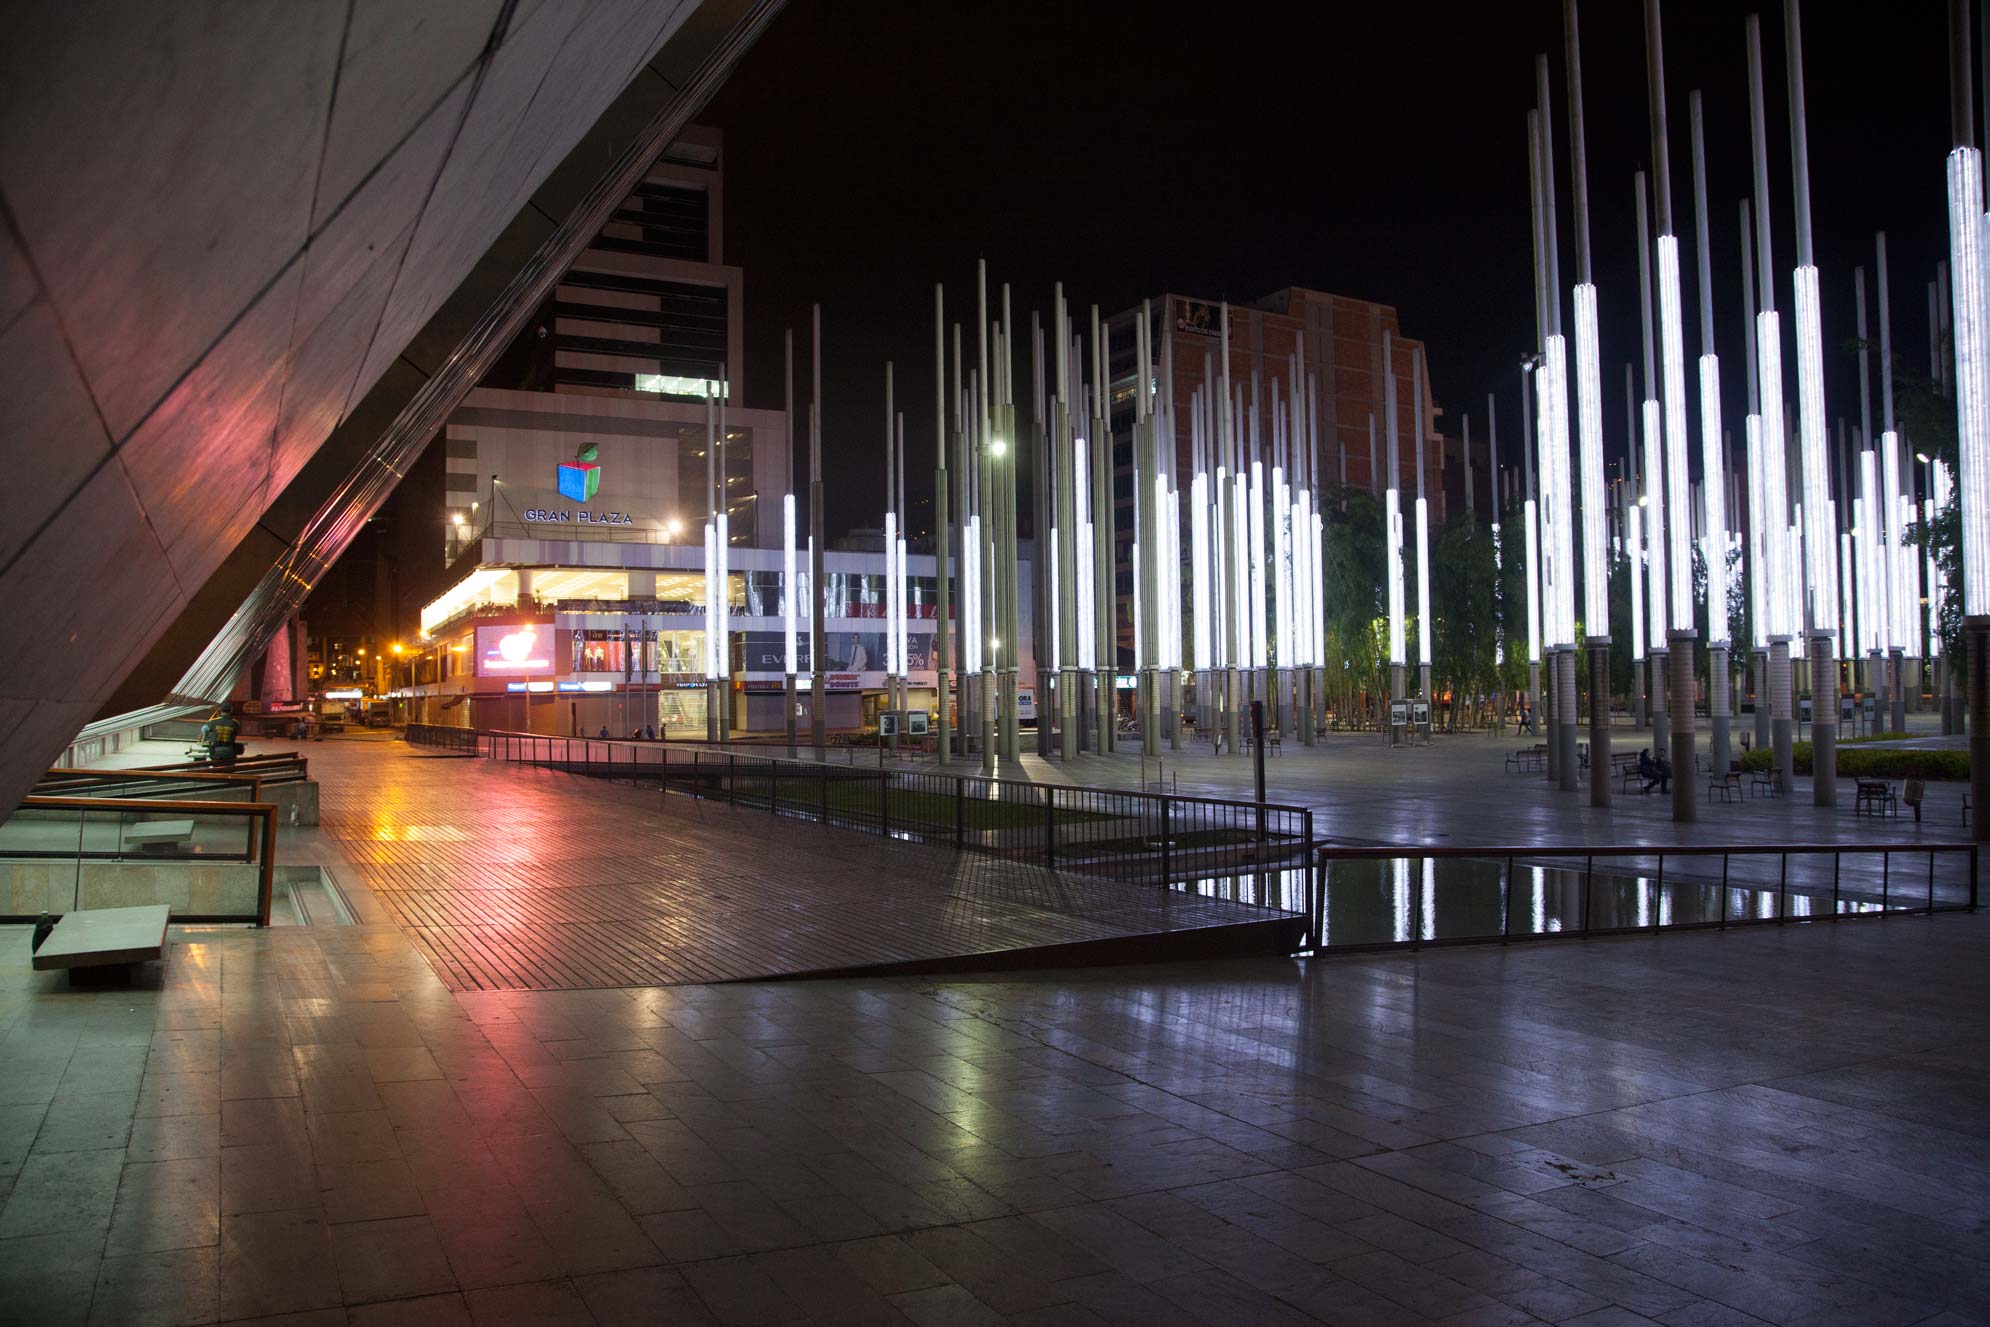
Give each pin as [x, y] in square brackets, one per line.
[507, 877]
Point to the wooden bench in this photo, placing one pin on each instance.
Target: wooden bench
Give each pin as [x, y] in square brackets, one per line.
[99, 937]
[153, 835]
[1875, 797]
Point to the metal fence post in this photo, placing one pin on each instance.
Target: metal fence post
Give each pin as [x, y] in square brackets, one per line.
[825, 792]
[1972, 877]
[1588, 876]
[1167, 841]
[732, 788]
[1837, 861]
[1885, 879]
[1050, 827]
[884, 801]
[1783, 889]
[1658, 896]
[1506, 905]
[960, 814]
[1723, 891]
[1931, 882]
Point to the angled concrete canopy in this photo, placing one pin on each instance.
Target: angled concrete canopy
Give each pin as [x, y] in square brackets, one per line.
[223, 230]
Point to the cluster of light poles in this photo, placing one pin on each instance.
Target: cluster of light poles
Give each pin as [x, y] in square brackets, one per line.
[1845, 593]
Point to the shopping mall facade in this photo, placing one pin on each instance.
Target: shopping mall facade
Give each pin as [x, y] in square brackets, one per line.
[576, 599]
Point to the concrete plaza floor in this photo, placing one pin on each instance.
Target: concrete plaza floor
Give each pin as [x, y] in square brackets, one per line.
[310, 1127]
[307, 1127]
[1458, 790]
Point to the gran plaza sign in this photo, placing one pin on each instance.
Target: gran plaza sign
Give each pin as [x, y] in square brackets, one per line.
[553, 516]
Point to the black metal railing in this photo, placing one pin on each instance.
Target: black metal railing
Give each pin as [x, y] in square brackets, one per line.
[1254, 852]
[1371, 897]
[442, 736]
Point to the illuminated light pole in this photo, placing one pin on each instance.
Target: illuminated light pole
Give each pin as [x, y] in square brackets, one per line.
[1972, 394]
[1498, 557]
[712, 626]
[1392, 533]
[790, 583]
[890, 564]
[1755, 543]
[1229, 583]
[1874, 554]
[818, 689]
[1589, 420]
[942, 570]
[1820, 545]
[1903, 603]
[1777, 539]
[1558, 510]
[1713, 470]
[1531, 537]
[1672, 381]
[1651, 425]
[1422, 535]
[1540, 441]
[1634, 549]
[1104, 645]
[1064, 484]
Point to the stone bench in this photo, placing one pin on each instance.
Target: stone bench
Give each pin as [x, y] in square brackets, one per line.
[100, 937]
[152, 835]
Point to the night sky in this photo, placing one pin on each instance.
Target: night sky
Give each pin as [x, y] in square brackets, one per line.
[1376, 151]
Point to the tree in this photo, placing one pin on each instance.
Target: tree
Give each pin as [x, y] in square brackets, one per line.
[1461, 606]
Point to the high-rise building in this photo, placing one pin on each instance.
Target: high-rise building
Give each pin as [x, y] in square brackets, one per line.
[619, 364]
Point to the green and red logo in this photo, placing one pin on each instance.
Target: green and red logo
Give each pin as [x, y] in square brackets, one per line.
[580, 479]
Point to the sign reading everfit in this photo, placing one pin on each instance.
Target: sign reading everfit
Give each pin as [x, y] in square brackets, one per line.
[579, 480]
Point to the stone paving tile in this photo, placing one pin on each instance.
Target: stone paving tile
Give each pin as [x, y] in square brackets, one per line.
[1390, 1140]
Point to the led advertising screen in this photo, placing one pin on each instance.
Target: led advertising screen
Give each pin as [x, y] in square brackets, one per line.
[517, 651]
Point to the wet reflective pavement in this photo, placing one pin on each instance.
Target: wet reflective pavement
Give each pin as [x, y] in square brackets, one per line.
[1781, 1125]
[310, 1127]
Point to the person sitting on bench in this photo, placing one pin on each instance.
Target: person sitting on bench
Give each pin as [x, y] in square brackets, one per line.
[222, 734]
[1654, 772]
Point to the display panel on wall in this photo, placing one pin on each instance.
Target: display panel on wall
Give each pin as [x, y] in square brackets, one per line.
[519, 651]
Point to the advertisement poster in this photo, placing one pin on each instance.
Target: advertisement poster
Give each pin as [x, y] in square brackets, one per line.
[518, 651]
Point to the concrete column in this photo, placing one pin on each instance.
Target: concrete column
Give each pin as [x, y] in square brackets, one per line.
[1976, 631]
[1782, 713]
[1720, 706]
[1762, 706]
[1599, 721]
[641, 585]
[525, 588]
[1823, 721]
[1897, 674]
[1685, 805]
[1638, 694]
[1565, 717]
[1661, 684]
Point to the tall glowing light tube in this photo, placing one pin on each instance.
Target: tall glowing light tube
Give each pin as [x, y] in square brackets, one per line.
[1874, 559]
[1533, 580]
[1589, 421]
[1972, 374]
[1081, 483]
[1848, 647]
[1820, 547]
[1899, 560]
[1558, 520]
[1281, 567]
[711, 603]
[1672, 379]
[1634, 539]
[1758, 563]
[1715, 495]
[790, 586]
[1655, 554]
[1198, 537]
[1775, 473]
[1392, 538]
[1423, 581]
[891, 594]
[1260, 648]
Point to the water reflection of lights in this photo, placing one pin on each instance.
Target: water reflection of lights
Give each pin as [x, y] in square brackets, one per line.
[1429, 920]
[1399, 898]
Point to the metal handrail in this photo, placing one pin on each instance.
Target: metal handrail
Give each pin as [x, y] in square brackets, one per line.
[1531, 855]
[1211, 845]
[259, 848]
